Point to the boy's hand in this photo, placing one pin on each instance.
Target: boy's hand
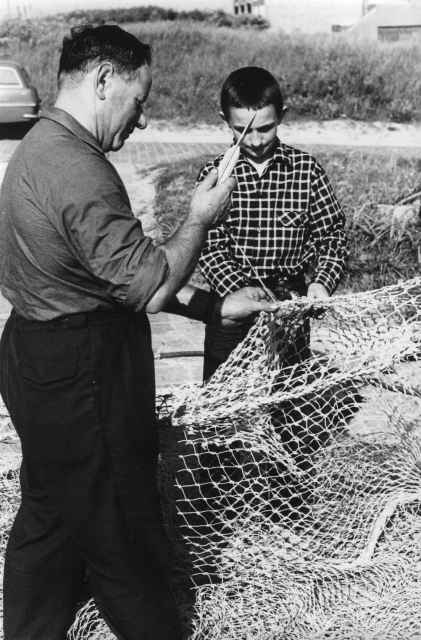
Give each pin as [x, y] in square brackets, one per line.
[243, 303]
[211, 200]
[317, 291]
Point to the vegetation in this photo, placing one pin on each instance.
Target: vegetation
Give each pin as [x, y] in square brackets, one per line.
[379, 253]
[322, 77]
[152, 14]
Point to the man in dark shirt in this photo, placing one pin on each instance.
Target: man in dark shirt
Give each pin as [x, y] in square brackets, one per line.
[76, 365]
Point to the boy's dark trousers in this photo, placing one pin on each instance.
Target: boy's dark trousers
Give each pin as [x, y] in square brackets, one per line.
[80, 391]
[221, 340]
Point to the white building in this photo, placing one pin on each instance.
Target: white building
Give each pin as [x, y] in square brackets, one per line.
[308, 16]
[381, 19]
[390, 22]
[250, 8]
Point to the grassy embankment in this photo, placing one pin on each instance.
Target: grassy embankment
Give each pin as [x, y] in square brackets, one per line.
[322, 77]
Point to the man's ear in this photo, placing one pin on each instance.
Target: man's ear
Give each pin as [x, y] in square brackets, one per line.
[104, 73]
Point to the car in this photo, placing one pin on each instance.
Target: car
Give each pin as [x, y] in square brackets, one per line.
[19, 99]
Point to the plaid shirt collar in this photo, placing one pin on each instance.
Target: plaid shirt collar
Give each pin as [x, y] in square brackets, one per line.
[281, 155]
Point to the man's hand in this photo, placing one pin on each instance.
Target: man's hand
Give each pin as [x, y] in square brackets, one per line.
[182, 249]
[317, 291]
[242, 304]
[210, 200]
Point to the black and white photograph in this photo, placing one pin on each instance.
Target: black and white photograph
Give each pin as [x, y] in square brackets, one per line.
[210, 320]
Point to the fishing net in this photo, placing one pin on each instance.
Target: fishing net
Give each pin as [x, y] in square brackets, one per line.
[298, 475]
[291, 481]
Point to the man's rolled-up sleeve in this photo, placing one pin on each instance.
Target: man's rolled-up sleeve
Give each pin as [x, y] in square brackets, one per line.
[100, 229]
[152, 272]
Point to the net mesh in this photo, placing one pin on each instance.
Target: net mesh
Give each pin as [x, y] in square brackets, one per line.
[291, 481]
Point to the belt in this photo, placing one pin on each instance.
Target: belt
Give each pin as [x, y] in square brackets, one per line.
[283, 286]
[74, 320]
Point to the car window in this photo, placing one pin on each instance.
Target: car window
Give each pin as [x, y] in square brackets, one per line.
[9, 77]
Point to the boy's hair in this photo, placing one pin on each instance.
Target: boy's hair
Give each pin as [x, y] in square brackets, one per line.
[88, 45]
[251, 88]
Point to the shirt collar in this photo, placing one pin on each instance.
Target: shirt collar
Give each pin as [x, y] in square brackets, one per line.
[69, 122]
[280, 155]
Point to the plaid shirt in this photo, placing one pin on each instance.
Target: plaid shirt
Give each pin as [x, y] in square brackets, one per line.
[278, 225]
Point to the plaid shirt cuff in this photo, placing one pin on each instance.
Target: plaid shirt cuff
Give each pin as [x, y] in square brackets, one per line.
[326, 281]
[227, 283]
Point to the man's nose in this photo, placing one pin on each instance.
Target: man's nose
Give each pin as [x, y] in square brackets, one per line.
[142, 122]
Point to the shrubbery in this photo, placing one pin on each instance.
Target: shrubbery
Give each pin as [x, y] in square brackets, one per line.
[322, 77]
[152, 14]
[26, 29]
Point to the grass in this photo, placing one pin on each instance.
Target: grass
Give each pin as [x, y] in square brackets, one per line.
[362, 180]
[322, 77]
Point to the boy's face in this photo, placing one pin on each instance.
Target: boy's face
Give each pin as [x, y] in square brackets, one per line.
[258, 144]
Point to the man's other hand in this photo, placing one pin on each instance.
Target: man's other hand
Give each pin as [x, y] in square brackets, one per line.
[317, 291]
[243, 303]
[211, 200]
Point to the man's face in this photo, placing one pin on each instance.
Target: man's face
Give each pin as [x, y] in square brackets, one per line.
[123, 111]
[260, 140]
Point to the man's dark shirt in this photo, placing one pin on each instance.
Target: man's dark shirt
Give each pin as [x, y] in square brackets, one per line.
[69, 240]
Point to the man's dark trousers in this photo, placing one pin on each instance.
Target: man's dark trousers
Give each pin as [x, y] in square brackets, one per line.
[80, 391]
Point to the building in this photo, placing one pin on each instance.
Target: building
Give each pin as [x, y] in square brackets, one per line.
[250, 8]
[390, 22]
[11, 9]
[308, 16]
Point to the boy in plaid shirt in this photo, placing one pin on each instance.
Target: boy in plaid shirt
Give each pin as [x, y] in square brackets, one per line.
[284, 217]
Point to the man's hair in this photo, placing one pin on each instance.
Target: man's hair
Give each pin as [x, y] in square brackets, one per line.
[89, 45]
[251, 88]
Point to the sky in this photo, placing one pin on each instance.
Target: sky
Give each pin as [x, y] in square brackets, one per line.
[341, 9]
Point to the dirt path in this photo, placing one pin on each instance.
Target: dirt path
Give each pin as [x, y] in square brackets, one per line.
[342, 131]
[159, 137]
